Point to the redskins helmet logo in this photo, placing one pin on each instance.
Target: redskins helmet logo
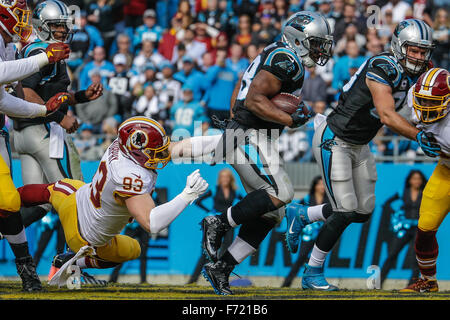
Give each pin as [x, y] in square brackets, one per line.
[139, 139]
[8, 3]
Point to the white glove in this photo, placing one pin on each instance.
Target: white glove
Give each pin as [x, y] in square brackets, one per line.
[195, 186]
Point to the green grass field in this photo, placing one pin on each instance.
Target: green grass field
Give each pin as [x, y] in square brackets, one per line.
[11, 290]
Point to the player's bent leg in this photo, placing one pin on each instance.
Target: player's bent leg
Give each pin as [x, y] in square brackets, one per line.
[120, 249]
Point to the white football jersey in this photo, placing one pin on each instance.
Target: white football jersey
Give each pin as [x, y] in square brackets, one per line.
[440, 129]
[101, 215]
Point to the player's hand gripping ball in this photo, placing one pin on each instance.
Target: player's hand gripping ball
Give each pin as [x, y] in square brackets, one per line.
[299, 111]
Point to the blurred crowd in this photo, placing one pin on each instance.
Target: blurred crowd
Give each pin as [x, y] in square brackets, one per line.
[178, 61]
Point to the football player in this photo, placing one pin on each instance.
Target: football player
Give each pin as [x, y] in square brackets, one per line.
[429, 102]
[94, 214]
[249, 142]
[46, 152]
[371, 99]
[15, 27]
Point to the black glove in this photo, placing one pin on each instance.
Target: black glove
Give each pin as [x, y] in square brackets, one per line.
[428, 144]
[303, 113]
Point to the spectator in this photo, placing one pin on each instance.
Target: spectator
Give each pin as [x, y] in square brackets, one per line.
[104, 67]
[219, 42]
[387, 28]
[251, 52]
[84, 40]
[351, 33]
[86, 139]
[194, 48]
[144, 79]
[205, 34]
[243, 35]
[349, 16]
[315, 196]
[146, 55]
[405, 214]
[148, 31]
[133, 12]
[441, 37]
[314, 91]
[351, 60]
[237, 61]
[100, 15]
[184, 13]
[125, 48]
[169, 39]
[95, 111]
[168, 91]
[214, 16]
[220, 81]
[373, 47]
[267, 32]
[400, 10]
[325, 9]
[281, 13]
[207, 61]
[187, 116]
[189, 75]
[120, 85]
[147, 104]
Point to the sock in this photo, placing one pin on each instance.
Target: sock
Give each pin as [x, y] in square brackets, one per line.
[20, 250]
[88, 262]
[240, 250]
[317, 257]
[427, 251]
[229, 259]
[315, 213]
[34, 194]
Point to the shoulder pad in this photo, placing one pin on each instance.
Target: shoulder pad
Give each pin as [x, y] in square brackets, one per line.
[284, 64]
[389, 66]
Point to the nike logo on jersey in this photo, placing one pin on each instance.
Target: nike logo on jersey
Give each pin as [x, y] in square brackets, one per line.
[290, 228]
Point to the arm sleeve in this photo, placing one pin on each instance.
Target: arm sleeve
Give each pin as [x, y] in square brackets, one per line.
[16, 107]
[15, 70]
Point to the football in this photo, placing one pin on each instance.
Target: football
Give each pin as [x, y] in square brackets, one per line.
[286, 102]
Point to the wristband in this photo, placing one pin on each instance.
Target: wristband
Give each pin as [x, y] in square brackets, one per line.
[80, 96]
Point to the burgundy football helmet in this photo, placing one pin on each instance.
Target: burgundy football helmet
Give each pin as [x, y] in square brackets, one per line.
[431, 95]
[144, 141]
[15, 19]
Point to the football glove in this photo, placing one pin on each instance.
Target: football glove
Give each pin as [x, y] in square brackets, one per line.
[55, 102]
[195, 186]
[428, 144]
[303, 113]
[57, 51]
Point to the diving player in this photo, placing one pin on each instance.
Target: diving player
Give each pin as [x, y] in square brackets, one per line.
[371, 99]
[15, 27]
[249, 142]
[94, 214]
[429, 103]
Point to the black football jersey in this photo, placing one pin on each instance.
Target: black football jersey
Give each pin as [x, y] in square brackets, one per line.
[284, 64]
[47, 82]
[355, 119]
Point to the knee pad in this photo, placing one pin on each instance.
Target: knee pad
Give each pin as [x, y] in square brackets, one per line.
[349, 202]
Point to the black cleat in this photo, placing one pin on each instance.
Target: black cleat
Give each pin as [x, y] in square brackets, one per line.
[217, 274]
[62, 258]
[27, 272]
[213, 231]
[86, 278]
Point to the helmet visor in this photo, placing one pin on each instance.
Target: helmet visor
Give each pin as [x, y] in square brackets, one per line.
[430, 108]
[22, 28]
[320, 49]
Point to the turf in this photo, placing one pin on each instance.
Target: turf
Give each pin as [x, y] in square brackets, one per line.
[11, 290]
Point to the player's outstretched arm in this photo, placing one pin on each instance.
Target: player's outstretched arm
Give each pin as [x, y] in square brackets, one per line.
[154, 219]
[16, 70]
[194, 147]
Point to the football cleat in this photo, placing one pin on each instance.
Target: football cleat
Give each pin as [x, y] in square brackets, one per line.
[297, 219]
[218, 274]
[313, 279]
[86, 278]
[27, 272]
[213, 231]
[422, 286]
